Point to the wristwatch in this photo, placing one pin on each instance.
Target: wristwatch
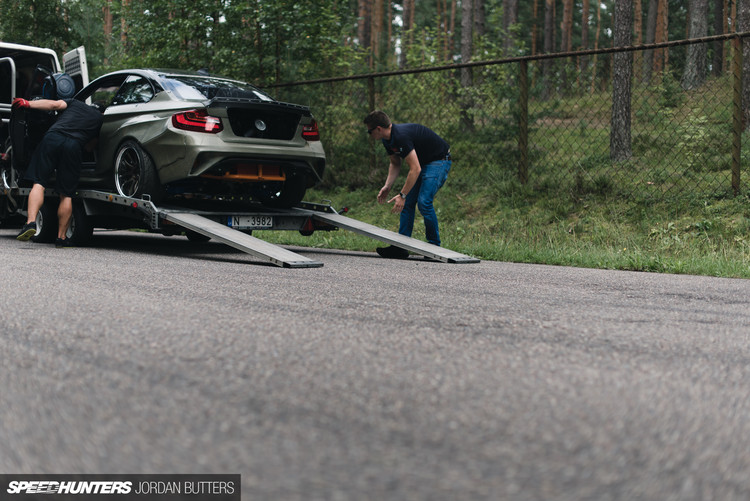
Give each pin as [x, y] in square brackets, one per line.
[401, 194]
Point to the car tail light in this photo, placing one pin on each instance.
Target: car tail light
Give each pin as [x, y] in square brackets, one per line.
[310, 132]
[197, 121]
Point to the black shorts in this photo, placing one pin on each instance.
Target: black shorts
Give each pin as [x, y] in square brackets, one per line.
[58, 154]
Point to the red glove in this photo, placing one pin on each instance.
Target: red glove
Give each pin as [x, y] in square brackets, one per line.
[20, 103]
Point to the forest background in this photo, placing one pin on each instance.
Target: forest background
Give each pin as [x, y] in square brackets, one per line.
[596, 196]
[282, 41]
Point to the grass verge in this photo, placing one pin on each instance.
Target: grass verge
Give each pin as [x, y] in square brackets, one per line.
[697, 236]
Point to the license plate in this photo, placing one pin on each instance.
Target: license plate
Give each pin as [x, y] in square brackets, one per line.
[250, 222]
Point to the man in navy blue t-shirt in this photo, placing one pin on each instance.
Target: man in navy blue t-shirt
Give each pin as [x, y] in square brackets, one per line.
[60, 153]
[428, 157]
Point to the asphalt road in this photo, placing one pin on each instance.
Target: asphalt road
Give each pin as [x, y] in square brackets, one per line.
[371, 379]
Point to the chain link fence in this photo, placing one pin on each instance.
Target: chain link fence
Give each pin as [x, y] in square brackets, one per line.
[544, 123]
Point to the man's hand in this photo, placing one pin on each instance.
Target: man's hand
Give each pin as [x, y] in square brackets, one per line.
[398, 204]
[383, 194]
[20, 103]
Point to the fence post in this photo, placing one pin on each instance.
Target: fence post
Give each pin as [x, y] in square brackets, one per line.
[371, 93]
[371, 102]
[523, 123]
[737, 113]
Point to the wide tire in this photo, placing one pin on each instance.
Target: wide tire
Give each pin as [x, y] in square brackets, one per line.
[80, 230]
[46, 224]
[135, 174]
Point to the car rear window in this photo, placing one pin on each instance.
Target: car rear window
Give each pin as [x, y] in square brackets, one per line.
[194, 88]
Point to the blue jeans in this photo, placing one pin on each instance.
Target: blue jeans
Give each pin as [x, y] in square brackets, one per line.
[431, 179]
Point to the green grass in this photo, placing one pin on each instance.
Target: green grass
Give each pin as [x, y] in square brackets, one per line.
[698, 236]
[668, 208]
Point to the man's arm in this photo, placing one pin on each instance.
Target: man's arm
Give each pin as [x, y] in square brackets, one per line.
[394, 168]
[41, 104]
[411, 179]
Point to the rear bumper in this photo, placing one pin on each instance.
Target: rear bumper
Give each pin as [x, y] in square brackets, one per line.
[179, 155]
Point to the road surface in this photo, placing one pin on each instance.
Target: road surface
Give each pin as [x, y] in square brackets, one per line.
[370, 378]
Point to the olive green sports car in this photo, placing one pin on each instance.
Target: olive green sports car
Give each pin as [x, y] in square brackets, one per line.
[172, 134]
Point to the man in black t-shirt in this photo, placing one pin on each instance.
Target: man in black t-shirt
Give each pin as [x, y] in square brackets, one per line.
[428, 157]
[60, 152]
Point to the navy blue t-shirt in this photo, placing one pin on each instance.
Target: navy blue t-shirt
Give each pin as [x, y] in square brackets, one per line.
[407, 137]
[78, 121]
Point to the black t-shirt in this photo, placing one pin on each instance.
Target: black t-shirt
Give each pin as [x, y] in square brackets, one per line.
[407, 137]
[79, 121]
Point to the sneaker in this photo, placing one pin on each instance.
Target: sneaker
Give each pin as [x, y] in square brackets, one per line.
[28, 231]
[63, 242]
[392, 252]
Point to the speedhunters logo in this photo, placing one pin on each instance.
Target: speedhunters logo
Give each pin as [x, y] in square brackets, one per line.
[121, 487]
[73, 487]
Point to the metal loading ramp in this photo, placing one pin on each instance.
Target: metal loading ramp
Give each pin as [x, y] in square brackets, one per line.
[246, 243]
[215, 223]
[393, 238]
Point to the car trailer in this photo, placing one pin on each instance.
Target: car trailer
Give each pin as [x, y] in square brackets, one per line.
[221, 220]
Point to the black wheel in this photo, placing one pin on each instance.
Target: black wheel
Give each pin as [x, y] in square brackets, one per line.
[291, 193]
[9, 175]
[135, 174]
[80, 230]
[194, 236]
[8, 204]
[46, 224]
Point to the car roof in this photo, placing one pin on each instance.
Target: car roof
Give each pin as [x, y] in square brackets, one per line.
[18, 51]
[161, 76]
[170, 73]
[11, 48]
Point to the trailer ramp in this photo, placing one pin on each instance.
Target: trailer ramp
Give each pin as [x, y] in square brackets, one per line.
[209, 223]
[246, 243]
[411, 244]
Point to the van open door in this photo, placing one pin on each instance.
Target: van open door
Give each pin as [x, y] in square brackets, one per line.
[75, 65]
[17, 67]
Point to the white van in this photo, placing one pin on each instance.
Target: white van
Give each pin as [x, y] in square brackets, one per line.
[23, 70]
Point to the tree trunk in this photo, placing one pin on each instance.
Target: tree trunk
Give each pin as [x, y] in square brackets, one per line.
[661, 56]
[638, 32]
[466, 41]
[124, 23]
[452, 30]
[743, 24]
[478, 14]
[510, 17]
[376, 31]
[596, 42]
[585, 10]
[108, 25]
[695, 70]
[260, 47]
[467, 48]
[648, 56]
[364, 23]
[406, 36]
[619, 139]
[535, 28]
[277, 53]
[717, 63]
[442, 29]
[549, 44]
[566, 41]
